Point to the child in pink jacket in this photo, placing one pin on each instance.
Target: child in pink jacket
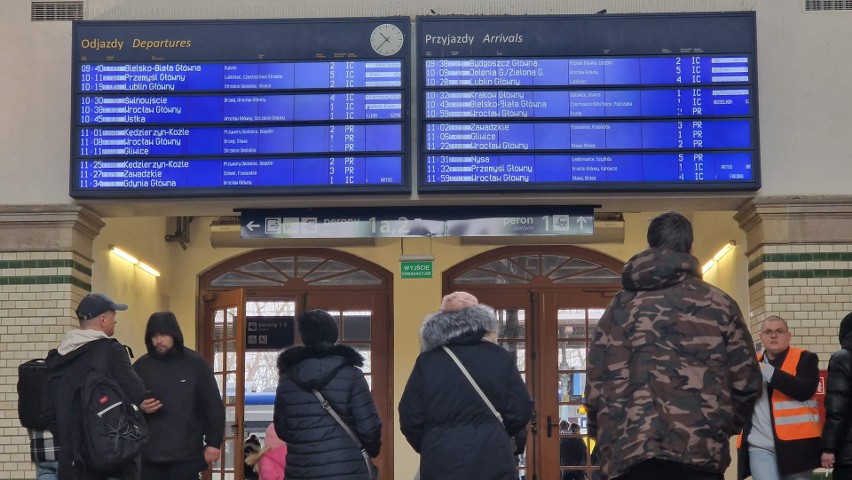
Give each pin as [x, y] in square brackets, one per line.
[269, 462]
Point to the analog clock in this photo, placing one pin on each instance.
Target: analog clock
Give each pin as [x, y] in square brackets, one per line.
[386, 39]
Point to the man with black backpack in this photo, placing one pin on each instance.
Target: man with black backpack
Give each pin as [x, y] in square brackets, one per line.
[92, 381]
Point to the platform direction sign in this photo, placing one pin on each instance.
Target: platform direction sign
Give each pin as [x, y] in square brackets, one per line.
[431, 221]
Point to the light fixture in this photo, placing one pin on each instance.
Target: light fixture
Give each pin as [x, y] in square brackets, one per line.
[135, 261]
[716, 258]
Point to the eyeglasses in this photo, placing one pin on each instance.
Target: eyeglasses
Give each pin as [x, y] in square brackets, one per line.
[780, 331]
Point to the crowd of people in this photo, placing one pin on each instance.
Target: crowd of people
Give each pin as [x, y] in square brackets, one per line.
[672, 375]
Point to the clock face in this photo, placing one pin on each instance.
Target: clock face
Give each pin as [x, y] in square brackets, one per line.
[386, 39]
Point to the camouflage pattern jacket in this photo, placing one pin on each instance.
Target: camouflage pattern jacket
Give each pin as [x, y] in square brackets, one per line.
[672, 372]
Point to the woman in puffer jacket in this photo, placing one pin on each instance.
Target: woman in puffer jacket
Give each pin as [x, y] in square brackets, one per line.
[441, 414]
[317, 446]
[837, 431]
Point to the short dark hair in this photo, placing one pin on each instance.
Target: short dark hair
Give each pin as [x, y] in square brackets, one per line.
[670, 230]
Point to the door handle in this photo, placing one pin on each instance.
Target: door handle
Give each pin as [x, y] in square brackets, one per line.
[534, 423]
[550, 426]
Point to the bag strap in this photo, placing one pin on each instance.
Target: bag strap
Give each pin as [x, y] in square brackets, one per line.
[328, 408]
[472, 382]
[101, 360]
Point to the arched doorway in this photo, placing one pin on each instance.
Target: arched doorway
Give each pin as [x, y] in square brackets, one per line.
[548, 300]
[247, 307]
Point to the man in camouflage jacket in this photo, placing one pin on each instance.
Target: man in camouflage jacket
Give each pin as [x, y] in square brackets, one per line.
[672, 373]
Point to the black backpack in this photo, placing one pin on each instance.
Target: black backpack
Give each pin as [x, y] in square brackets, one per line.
[111, 429]
[32, 378]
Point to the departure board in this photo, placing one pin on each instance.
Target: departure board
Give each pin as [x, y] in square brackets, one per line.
[240, 108]
[588, 103]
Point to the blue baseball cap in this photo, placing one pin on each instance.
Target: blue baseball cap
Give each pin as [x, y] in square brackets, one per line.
[95, 304]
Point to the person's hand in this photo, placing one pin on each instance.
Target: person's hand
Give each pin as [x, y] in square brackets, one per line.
[211, 454]
[827, 460]
[150, 405]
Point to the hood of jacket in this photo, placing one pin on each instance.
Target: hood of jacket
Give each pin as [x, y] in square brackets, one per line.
[312, 366]
[74, 344]
[658, 268]
[846, 332]
[165, 323]
[77, 338]
[461, 326]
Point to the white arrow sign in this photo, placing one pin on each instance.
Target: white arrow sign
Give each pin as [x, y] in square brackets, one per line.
[251, 226]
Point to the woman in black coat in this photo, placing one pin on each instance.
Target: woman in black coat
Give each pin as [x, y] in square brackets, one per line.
[837, 431]
[317, 446]
[441, 414]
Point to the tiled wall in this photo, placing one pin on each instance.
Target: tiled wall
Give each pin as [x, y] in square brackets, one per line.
[45, 270]
[810, 286]
[37, 292]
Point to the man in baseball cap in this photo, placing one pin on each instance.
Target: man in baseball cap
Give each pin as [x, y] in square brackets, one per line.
[68, 364]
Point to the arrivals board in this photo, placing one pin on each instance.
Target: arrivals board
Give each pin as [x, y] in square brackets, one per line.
[186, 109]
[588, 103]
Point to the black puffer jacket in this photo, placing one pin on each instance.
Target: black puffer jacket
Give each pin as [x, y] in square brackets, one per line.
[837, 431]
[442, 416]
[317, 446]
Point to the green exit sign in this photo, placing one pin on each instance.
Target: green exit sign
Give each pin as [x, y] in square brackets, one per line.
[416, 269]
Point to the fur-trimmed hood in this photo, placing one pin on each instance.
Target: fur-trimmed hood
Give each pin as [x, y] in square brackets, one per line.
[442, 327]
[313, 366]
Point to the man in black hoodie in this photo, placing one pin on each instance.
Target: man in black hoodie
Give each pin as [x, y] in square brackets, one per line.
[186, 418]
[837, 431]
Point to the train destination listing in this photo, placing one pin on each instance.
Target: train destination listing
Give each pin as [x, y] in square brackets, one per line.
[207, 108]
[588, 168]
[235, 172]
[175, 77]
[588, 102]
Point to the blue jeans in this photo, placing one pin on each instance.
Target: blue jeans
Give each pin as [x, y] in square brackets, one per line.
[764, 466]
[47, 470]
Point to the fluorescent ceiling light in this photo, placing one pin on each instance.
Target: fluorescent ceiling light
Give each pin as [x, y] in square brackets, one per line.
[148, 268]
[133, 260]
[718, 257]
[121, 253]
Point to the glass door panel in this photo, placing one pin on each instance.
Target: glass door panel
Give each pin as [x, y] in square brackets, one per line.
[224, 314]
[570, 336]
[261, 363]
[513, 337]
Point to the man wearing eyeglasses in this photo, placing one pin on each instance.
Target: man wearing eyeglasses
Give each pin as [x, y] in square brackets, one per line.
[782, 440]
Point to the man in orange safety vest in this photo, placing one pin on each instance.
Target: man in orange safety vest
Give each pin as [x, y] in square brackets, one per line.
[782, 439]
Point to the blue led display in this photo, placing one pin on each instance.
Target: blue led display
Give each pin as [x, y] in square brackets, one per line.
[167, 109]
[604, 102]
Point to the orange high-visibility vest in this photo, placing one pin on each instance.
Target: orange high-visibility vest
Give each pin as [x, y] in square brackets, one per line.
[793, 420]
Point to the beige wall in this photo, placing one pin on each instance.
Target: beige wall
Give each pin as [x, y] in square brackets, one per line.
[802, 64]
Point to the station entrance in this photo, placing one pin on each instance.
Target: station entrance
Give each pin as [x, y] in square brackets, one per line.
[271, 287]
[548, 300]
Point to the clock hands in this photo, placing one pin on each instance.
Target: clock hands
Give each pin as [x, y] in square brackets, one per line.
[386, 40]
